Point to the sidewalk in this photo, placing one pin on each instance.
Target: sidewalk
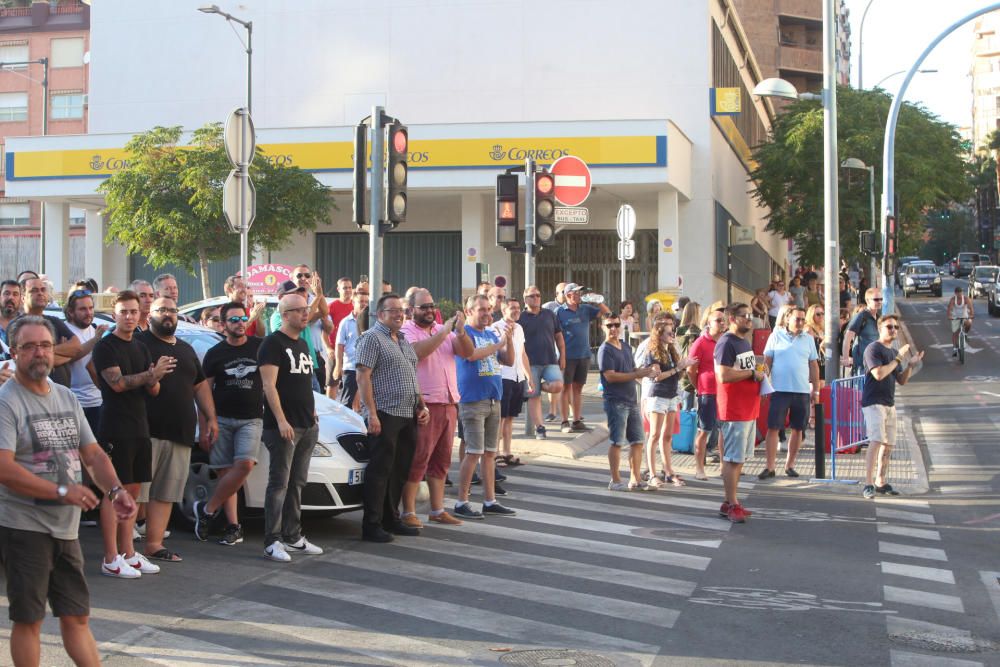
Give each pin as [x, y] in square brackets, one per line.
[906, 470]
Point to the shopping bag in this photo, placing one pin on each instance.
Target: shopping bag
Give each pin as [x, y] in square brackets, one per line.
[683, 442]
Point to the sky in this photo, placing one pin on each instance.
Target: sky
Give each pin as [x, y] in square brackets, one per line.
[895, 34]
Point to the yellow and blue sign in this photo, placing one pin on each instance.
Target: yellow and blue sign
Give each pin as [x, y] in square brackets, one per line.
[726, 101]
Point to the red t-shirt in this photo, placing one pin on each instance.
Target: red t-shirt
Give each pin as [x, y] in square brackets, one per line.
[338, 311]
[703, 349]
[737, 401]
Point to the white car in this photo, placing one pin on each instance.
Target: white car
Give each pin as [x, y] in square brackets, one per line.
[980, 278]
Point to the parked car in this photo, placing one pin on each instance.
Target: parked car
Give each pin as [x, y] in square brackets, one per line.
[992, 291]
[984, 260]
[921, 277]
[965, 262]
[979, 278]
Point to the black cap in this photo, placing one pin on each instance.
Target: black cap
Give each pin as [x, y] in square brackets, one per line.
[288, 287]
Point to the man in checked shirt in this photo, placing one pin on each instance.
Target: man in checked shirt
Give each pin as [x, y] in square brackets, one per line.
[386, 368]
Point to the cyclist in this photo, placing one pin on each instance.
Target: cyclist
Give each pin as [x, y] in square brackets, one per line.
[960, 309]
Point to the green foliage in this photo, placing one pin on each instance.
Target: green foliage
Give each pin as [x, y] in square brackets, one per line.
[167, 203]
[448, 308]
[789, 177]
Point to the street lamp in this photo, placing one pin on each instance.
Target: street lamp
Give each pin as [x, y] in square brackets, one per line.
[855, 163]
[903, 71]
[861, 46]
[248, 47]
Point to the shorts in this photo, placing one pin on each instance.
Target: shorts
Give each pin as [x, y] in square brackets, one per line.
[432, 455]
[171, 464]
[576, 371]
[738, 440]
[239, 440]
[480, 424]
[793, 405]
[954, 325]
[662, 405]
[708, 415]
[513, 398]
[348, 388]
[132, 459]
[880, 421]
[39, 567]
[624, 423]
[544, 375]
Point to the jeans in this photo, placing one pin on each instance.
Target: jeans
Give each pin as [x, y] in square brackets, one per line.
[388, 468]
[287, 476]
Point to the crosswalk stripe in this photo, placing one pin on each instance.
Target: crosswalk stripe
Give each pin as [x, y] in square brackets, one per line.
[694, 521]
[176, 650]
[651, 498]
[896, 549]
[923, 599]
[906, 502]
[659, 556]
[563, 566]
[598, 477]
[903, 531]
[605, 527]
[465, 617]
[396, 649]
[624, 609]
[899, 658]
[919, 572]
[883, 512]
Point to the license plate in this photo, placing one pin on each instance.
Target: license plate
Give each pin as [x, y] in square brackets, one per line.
[923, 283]
[357, 476]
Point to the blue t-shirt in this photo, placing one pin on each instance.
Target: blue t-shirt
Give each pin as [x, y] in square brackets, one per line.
[575, 326]
[479, 380]
[347, 335]
[610, 358]
[790, 356]
[540, 336]
[879, 392]
[865, 327]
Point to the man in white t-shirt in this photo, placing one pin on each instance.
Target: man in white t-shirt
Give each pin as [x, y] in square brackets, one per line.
[79, 311]
[513, 377]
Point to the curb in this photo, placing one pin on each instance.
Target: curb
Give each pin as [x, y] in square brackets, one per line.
[921, 485]
[571, 448]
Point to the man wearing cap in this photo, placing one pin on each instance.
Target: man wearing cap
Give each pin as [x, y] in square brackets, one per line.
[286, 288]
[574, 320]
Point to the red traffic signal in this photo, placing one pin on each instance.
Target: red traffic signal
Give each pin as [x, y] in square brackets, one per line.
[397, 142]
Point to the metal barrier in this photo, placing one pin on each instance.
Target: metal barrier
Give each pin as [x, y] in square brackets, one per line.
[847, 424]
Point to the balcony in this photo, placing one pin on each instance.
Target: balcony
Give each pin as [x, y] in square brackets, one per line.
[71, 15]
[806, 11]
[801, 59]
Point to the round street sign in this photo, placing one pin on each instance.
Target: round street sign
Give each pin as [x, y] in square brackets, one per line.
[239, 138]
[626, 222]
[572, 178]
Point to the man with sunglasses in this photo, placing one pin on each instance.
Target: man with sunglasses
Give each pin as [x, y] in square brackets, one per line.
[884, 367]
[864, 328]
[232, 373]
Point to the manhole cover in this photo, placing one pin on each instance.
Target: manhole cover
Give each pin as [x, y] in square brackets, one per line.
[555, 658]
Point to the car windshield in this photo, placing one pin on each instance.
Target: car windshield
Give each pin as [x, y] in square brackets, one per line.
[967, 257]
[920, 268]
[986, 272]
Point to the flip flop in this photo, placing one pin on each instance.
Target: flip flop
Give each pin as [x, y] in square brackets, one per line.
[676, 480]
[701, 476]
[513, 461]
[167, 555]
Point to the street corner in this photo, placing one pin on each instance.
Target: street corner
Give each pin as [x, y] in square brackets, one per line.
[567, 446]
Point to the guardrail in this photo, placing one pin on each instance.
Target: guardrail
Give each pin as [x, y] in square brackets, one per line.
[847, 430]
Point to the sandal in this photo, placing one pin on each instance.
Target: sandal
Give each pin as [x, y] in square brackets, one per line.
[167, 555]
[701, 476]
[676, 480]
[501, 461]
[513, 461]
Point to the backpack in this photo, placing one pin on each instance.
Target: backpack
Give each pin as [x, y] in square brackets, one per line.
[688, 335]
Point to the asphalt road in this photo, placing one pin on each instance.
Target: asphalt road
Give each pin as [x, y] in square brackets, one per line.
[589, 577]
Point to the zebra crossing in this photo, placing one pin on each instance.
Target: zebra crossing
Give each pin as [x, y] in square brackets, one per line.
[579, 568]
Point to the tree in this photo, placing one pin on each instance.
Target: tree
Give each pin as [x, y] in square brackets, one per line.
[788, 178]
[166, 203]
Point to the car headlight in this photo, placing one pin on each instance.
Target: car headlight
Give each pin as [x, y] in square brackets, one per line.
[909, 281]
[937, 280]
[322, 450]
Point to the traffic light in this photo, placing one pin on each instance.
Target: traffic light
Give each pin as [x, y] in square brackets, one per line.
[397, 143]
[891, 238]
[360, 214]
[507, 210]
[869, 242]
[545, 208]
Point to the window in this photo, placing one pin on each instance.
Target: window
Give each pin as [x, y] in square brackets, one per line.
[67, 52]
[13, 106]
[77, 216]
[67, 106]
[15, 214]
[14, 53]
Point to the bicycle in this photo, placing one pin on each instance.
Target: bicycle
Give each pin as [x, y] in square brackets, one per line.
[961, 339]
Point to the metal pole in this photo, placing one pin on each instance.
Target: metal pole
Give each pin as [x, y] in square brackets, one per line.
[244, 194]
[820, 436]
[861, 46]
[831, 231]
[872, 279]
[529, 222]
[729, 262]
[249, 25]
[45, 130]
[375, 215]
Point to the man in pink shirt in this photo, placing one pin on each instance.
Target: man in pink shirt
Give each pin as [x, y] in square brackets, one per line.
[436, 346]
[702, 376]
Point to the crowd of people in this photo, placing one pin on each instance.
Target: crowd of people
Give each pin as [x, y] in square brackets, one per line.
[103, 418]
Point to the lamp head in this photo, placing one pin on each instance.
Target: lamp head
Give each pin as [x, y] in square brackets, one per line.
[853, 163]
[776, 88]
[210, 9]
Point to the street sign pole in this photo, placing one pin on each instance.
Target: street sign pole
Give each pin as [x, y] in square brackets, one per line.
[375, 212]
[626, 228]
[529, 223]
[240, 143]
[244, 194]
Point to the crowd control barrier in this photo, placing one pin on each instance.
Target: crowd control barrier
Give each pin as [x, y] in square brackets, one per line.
[845, 431]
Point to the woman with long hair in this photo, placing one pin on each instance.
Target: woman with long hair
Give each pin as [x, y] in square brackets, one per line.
[627, 315]
[759, 305]
[662, 404]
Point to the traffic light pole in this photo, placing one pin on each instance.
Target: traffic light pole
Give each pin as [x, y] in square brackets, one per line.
[529, 223]
[374, 213]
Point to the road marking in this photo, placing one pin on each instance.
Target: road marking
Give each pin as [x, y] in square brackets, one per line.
[907, 502]
[176, 650]
[908, 628]
[340, 639]
[992, 582]
[649, 498]
[928, 553]
[597, 475]
[923, 599]
[463, 617]
[903, 531]
[918, 572]
[605, 527]
[989, 393]
[883, 512]
[982, 519]
[562, 566]
[906, 659]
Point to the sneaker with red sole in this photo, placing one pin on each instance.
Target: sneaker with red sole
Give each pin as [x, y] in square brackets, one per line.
[736, 514]
[724, 510]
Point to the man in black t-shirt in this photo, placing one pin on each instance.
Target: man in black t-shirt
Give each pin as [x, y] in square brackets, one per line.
[172, 422]
[126, 374]
[290, 428]
[67, 347]
[231, 371]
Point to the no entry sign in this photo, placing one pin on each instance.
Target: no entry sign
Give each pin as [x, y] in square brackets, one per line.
[572, 180]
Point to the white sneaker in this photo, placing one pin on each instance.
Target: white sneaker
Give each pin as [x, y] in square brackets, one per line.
[304, 546]
[654, 483]
[277, 552]
[139, 532]
[136, 535]
[141, 563]
[119, 568]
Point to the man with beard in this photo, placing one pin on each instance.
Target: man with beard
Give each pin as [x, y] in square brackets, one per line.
[44, 438]
[79, 313]
[172, 421]
[67, 345]
[126, 374]
[231, 371]
[10, 308]
[145, 293]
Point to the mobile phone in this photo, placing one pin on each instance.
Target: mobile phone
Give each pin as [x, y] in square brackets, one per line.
[260, 298]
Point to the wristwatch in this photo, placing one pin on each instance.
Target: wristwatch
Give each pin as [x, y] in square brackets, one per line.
[113, 491]
[62, 490]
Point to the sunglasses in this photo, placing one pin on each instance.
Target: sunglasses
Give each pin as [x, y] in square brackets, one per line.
[799, 319]
[612, 325]
[891, 326]
[876, 298]
[168, 311]
[303, 275]
[235, 318]
[428, 306]
[819, 314]
[80, 293]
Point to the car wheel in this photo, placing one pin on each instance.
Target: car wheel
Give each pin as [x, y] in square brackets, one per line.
[937, 293]
[200, 485]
